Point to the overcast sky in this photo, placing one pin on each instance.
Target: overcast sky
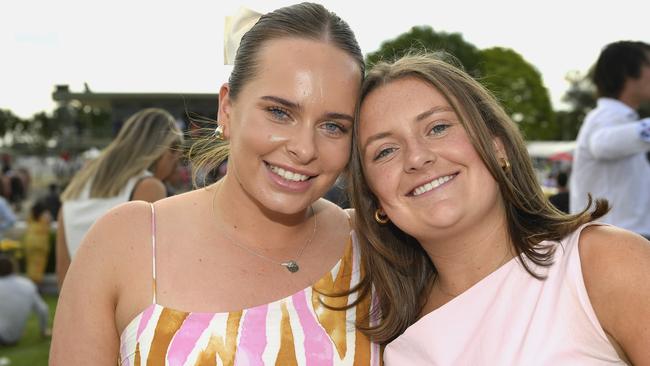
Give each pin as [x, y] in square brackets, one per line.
[177, 46]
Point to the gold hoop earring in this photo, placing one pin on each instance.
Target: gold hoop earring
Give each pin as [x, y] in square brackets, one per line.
[381, 217]
[506, 165]
[218, 133]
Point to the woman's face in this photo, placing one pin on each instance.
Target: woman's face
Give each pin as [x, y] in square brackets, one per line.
[290, 126]
[167, 163]
[419, 161]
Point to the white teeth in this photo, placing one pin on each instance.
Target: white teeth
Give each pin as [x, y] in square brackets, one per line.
[431, 185]
[294, 177]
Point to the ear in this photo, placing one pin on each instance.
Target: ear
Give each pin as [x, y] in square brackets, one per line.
[225, 109]
[499, 149]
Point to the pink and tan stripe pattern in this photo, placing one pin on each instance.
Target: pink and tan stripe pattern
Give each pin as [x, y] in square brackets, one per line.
[297, 330]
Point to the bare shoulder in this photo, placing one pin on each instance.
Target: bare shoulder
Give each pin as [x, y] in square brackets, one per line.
[149, 189]
[329, 212]
[187, 199]
[116, 235]
[105, 265]
[616, 268]
[185, 209]
[602, 245]
[127, 220]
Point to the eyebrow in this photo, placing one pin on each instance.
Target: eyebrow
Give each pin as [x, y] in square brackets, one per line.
[376, 137]
[295, 106]
[437, 109]
[418, 118]
[284, 102]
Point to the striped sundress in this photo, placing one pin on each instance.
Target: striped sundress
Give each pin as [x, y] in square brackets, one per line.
[296, 330]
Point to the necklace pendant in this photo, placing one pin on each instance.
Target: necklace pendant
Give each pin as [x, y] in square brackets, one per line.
[291, 266]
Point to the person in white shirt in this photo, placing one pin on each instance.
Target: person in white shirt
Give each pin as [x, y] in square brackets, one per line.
[610, 159]
[19, 298]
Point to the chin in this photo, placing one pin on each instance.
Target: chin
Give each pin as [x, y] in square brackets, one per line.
[419, 227]
[287, 205]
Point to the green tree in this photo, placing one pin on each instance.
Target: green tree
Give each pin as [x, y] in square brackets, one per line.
[424, 38]
[10, 122]
[519, 87]
[581, 98]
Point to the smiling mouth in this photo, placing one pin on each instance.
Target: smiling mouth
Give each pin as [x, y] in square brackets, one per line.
[432, 185]
[287, 174]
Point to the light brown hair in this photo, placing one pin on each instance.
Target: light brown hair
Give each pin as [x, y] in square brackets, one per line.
[395, 263]
[305, 21]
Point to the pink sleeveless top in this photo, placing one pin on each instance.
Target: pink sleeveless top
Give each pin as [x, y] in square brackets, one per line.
[295, 330]
[511, 318]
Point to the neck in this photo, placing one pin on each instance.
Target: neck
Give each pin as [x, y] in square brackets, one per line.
[254, 222]
[466, 257]
[628, 98]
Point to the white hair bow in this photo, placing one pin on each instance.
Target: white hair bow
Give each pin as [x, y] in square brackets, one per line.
[236, 26]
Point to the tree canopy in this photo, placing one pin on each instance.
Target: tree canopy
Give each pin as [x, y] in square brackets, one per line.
[424, 38]
[519, 87]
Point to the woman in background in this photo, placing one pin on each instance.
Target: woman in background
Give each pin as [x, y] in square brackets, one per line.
[148, 142]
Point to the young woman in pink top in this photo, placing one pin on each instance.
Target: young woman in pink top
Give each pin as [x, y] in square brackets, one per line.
[471, 263]
[240, 272]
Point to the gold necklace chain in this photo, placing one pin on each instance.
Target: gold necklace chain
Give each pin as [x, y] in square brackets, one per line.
[292, 264]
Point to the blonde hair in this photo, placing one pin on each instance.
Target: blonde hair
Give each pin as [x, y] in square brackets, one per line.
[142, 140]
[395, 263]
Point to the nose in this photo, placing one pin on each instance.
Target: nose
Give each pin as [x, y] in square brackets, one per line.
[418, 156]
[301, 146]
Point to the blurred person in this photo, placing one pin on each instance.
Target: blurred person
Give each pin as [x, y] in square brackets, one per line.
[179, 181]
[561, 199]
[19, 299]
[239, 272]
[610, 157]
[17, 191]
[146, 143]
[6, 163]
[37, 241]
[470, 262]
[52, 200]
[7, 215]
[166, 168]
[26, 178]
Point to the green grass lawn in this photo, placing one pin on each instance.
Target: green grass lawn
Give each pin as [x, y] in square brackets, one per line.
[32, 350]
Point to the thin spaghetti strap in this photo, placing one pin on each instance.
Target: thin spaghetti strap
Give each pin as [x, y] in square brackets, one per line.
[153, 249]
[347, 213]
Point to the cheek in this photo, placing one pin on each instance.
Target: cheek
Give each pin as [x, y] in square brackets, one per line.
[255, 139]
[383, 183]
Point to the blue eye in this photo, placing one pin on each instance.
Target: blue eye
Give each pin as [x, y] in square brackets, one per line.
[383, 153]
[334, 128]
[278, 113]
[439, 129]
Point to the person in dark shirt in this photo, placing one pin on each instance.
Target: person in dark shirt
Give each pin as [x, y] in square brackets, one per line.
[52, 200]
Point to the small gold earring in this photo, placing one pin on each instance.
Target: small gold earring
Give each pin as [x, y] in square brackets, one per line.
[381, 217]
[218, 133]
[506, 165]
